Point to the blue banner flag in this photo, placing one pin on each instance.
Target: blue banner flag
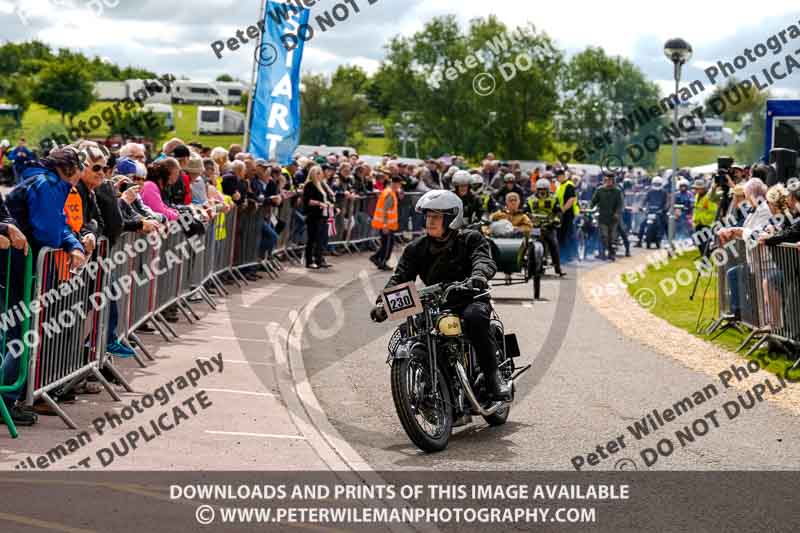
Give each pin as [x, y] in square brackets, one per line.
[275, 115]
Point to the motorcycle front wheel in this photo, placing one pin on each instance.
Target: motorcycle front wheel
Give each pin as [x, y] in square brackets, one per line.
[426, 417]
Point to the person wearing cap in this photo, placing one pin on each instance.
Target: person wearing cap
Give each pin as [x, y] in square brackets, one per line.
[609, 201]
[180, 192]
[568, 203]
[198, 186]
[136, 173]
[509, 185]
[386, 219]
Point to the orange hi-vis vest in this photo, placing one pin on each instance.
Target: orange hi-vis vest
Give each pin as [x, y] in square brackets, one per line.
[392, 220]
[73, 209]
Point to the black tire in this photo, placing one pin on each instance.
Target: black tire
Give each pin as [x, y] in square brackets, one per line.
[537, 286]
[407, 413]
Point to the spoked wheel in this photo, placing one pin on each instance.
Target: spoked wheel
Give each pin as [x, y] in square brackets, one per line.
[426, 417]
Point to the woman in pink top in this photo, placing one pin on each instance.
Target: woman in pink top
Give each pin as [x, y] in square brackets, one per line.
[160, 176]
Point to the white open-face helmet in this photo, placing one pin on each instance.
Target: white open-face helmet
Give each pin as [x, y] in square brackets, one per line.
[476, 182]
[445, 202]
[657, 182]
[542, 183]
[5, 143]
[462, 177]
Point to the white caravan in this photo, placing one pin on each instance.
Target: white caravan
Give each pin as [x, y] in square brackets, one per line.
[162, 109]
[195, 92]
[218, 120]
[231, 91]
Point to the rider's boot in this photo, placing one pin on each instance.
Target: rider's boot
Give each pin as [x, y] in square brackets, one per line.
[498, 388]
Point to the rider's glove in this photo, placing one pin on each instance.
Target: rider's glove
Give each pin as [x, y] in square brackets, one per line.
[378, 314]
[478, 282]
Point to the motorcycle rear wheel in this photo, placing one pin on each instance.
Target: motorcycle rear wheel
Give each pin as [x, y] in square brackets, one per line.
[408, 375]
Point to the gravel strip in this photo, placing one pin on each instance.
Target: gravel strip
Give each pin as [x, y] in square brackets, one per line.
[602, 288]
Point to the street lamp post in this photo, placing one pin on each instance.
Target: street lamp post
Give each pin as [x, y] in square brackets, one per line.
[679, 52]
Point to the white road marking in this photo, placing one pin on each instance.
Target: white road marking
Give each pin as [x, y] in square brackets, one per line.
[239, 362]
[262, 435]
[249, 393]
[245, 339]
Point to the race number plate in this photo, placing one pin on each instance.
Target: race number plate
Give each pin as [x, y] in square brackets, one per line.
[537, 232]
[402, 301]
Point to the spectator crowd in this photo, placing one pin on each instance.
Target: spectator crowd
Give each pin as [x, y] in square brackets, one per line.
[71, 196]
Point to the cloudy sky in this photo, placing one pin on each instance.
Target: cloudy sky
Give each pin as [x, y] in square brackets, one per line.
[175, 36]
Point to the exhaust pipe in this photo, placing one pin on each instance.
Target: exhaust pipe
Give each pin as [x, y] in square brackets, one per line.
[473, 401]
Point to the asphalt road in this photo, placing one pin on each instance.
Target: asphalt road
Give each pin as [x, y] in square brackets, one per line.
[585, 391]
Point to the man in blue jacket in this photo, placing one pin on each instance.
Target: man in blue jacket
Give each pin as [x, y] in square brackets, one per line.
[37, 205]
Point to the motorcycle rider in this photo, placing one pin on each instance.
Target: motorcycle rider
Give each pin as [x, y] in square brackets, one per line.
[449, 254]
[655, 200]
[545, 203]
[509, 185]
[462, 181]
[486, 203]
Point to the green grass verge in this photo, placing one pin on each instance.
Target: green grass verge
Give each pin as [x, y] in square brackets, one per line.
[38, 117]
[678, 310]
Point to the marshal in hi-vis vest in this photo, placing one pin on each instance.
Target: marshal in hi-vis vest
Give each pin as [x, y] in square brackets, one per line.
[390, 215]
[561, 191]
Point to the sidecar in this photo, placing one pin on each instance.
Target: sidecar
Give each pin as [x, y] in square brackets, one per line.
[518, 257]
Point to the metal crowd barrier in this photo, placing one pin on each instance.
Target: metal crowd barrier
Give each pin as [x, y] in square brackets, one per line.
[68, 347]
[15, 296]
[70, 327]
[767, 282]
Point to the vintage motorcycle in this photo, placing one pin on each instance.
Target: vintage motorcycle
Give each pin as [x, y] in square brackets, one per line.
[586, 226]
[652, 231]
[436, 381]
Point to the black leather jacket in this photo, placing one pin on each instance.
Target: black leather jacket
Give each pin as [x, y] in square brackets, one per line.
[465, 254]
